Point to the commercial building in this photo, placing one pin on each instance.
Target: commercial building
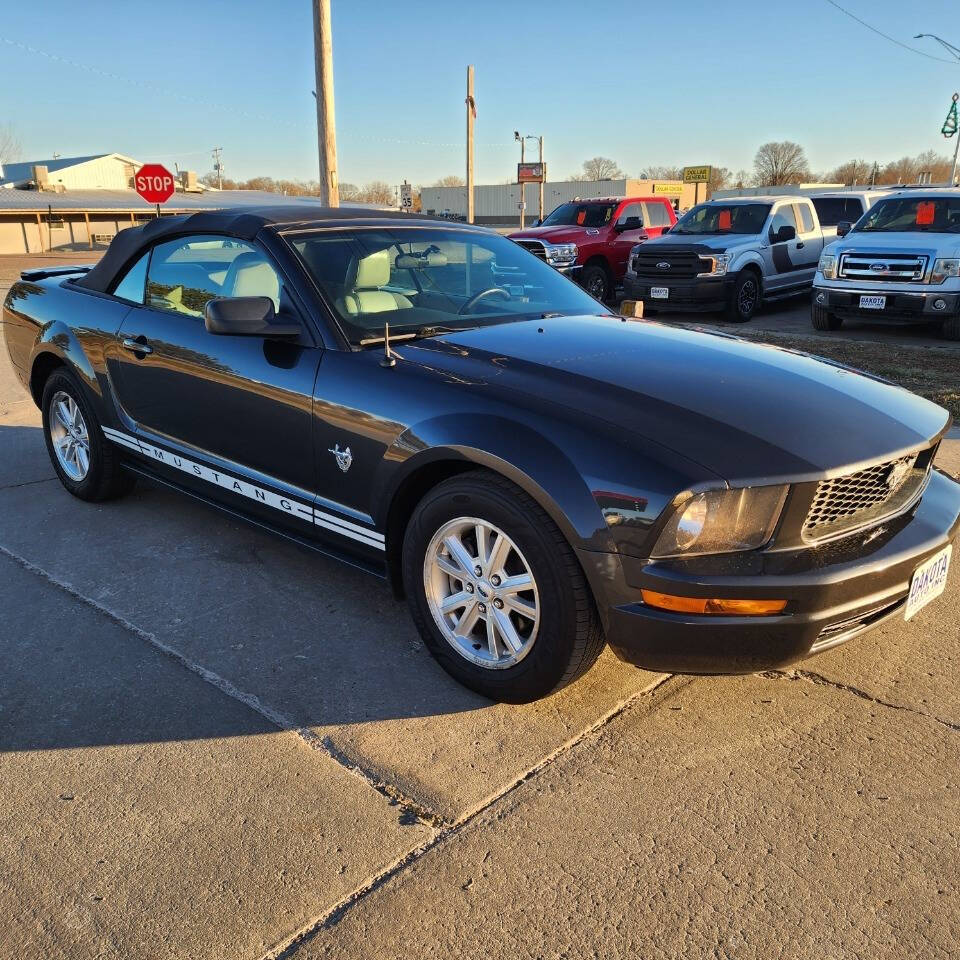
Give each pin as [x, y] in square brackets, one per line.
[103, 171]
[499, 203]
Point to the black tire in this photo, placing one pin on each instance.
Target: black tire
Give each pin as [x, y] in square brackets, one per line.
[951, 328]
[105, 479]
[744, 297]
[823, 319]
[569, 638]
[596, 280]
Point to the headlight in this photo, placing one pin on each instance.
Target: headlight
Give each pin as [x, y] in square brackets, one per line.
[828, 266]
[634, 250]
[722, 521]
[943, 269]
[561, 254]
[716, 266]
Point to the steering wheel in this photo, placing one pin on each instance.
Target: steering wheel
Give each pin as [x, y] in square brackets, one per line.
[477, 297]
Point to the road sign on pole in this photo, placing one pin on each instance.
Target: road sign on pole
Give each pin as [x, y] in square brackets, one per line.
[154, 183]
[406, 196]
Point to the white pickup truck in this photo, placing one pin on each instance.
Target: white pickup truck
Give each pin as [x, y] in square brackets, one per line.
[899, 263]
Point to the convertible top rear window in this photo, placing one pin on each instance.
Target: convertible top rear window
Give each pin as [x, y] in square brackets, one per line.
[431, 279]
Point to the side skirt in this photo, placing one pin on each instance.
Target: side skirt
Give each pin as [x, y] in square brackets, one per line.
[375, 569]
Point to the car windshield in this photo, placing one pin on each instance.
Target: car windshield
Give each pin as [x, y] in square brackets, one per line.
[711, 218]
[577, 214]
[431, 280]
[917, 214]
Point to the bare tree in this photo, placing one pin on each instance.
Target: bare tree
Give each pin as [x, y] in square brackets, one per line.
[904, 170]
[9, 145]
[601, 168]
[662, 173]
[349, 191]
[452, 180]
[742, 179]
[378, 192]
[719, 179]
[780, 162]
[852, 172]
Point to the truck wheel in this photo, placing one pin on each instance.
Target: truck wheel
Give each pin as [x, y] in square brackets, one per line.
[745, 297]
[496, 591]
[86, 463]
[596, 281]
[823, 319]
[951, 329]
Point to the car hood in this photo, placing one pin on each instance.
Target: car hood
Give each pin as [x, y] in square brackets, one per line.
[716, 241]
[560, 234]
[943, 244]
[751, 413]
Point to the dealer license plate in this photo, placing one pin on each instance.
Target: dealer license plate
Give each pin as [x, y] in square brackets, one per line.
[873, 303]
[659, 293]
[929, 581]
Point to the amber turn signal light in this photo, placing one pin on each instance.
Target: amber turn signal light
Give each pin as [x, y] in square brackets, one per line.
[715, 606]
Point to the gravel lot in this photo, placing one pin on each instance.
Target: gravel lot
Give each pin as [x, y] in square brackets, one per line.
[214, 744]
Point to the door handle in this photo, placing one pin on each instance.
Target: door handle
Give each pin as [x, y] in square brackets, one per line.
[137, 345]
[800, 245]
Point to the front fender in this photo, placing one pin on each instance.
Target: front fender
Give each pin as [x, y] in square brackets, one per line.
[514, 450]
[746, 258]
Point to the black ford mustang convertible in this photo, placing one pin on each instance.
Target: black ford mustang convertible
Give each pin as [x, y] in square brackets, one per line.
[536, 474]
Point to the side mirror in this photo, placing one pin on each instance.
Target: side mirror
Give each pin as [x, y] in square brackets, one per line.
[666, 229]
[246, 317]
[631, 223]
[784, 235]
[537, 222]
[843, 228]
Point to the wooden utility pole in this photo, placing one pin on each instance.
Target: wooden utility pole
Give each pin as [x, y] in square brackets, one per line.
[326, 123]
[471, 116]
[541, 178]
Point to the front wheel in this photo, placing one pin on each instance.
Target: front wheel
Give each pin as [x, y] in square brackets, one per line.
[596, 281]
[951, 329]
[745, 297]
[823, 319]
[496, 591]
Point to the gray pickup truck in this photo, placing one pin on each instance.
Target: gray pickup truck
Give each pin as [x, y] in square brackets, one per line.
[728, 255]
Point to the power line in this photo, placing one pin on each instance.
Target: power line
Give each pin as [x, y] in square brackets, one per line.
[886, 36]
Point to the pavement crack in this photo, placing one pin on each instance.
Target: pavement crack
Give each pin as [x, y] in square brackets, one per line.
[333, 914]
[26, 483]
[820, 680]
[410, 809]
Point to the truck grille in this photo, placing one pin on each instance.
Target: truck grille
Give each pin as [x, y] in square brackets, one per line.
[883, 267]
[848, 503]
[535, 247]
[679, 265]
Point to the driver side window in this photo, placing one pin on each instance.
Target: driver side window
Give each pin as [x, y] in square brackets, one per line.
[631, 210]
[783, 218]
[185, 274]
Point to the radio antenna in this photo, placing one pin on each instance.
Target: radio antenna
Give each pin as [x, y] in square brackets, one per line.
[389, 359]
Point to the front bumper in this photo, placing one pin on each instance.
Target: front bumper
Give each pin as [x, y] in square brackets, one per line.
[704, 294]
[835, 592]
[902, 306]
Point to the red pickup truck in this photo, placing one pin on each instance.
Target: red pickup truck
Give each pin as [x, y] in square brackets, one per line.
[592, 238]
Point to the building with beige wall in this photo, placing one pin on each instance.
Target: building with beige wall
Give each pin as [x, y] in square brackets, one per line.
[498, 203]
[104, 171]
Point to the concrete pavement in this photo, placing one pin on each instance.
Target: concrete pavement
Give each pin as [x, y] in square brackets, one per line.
[215, 744]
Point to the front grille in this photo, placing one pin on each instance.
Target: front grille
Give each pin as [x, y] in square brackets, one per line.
[535, 247]
[836, 633]
[679, 266]
[843, 504]
[883, 267]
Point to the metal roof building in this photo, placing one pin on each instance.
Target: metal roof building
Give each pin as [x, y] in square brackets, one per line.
[35, 221]
[102, 171]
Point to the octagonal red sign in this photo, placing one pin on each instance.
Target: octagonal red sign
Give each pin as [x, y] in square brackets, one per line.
[154, 183]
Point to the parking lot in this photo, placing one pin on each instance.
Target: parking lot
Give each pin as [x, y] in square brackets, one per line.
[214, 743]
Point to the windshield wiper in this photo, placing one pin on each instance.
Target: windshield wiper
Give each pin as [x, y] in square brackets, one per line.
[438, 329]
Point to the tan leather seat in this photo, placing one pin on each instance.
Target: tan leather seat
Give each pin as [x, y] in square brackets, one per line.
[365, 276]
[251, 276]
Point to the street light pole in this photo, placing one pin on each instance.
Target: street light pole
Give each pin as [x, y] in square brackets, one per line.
[326, 122]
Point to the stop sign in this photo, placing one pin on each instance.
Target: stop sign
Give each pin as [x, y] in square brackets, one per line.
[154, 183]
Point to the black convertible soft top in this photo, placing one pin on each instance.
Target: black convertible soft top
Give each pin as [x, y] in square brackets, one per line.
[243, 223]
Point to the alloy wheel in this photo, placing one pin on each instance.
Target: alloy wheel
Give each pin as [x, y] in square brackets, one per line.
[68, 431]
[747, 298]
[481, 592]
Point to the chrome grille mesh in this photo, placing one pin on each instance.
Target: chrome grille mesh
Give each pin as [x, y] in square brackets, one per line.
[844, 503]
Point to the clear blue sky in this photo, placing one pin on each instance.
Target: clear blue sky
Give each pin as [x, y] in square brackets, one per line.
[641, 82]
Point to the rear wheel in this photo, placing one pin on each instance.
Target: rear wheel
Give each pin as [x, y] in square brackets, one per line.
[951, 328]
[496, 591]
[596, 280]
[745, 297]
[87, 465]
[823, 319]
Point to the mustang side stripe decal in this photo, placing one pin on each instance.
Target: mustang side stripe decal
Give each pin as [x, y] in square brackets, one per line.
[252, 491]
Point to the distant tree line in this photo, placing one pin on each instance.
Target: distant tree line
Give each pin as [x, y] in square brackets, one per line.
[377, 191]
